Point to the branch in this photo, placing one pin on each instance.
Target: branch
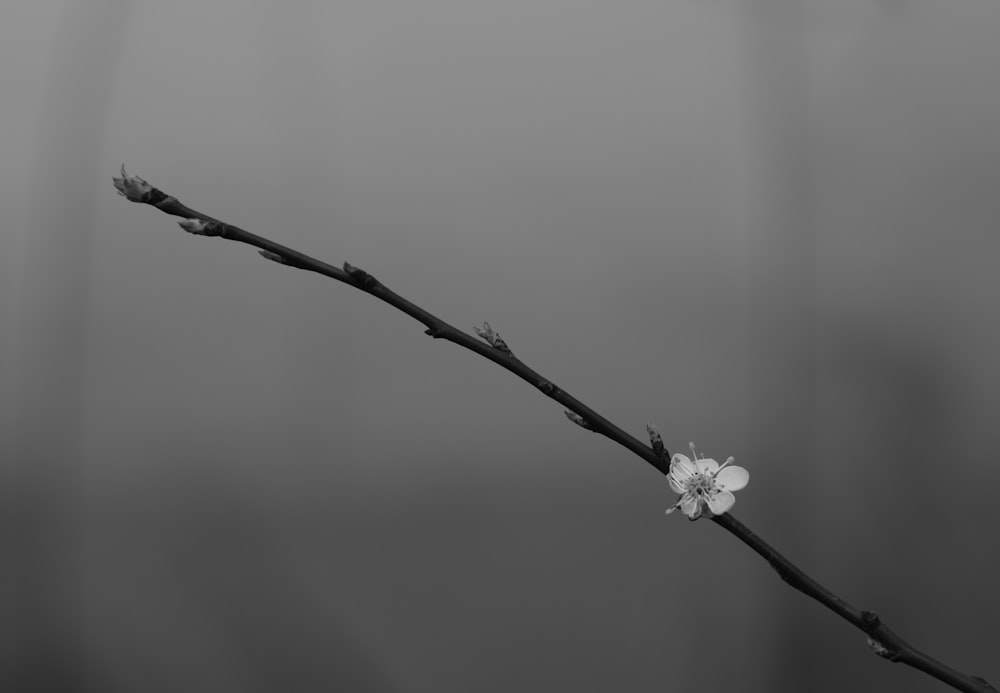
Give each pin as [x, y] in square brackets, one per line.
[883, 641]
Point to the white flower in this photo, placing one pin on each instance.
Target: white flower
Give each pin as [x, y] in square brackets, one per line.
[703, 482]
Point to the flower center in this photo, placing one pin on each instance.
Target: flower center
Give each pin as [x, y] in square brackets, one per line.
[702, 484]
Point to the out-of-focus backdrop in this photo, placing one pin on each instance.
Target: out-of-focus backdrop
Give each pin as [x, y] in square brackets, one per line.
[768, 226]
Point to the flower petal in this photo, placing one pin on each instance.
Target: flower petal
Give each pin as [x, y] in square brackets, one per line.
[681, 468]
[690, 506]
[732, 478]
[720, 502]
[707, 465]
[674, 486]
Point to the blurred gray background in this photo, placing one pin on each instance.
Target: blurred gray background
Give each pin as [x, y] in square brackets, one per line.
[768, 226]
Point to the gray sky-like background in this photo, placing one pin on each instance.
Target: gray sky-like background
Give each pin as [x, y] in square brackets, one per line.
[769, 226]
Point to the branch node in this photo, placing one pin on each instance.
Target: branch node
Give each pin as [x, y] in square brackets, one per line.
[488, 335]
[546, 387]
[870, 620]
[435, 332]
[360, 277]
[881, 650]
[578, 420]
[273, 257]
[783, 572]
[982, 682]
[656, 440]
[200, 227]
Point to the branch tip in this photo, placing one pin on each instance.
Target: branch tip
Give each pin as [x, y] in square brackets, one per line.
[133, 188]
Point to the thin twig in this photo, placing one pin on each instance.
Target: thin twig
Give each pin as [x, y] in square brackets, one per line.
[883, 641]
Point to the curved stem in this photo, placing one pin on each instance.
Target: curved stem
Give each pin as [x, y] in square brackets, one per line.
[882, 640]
